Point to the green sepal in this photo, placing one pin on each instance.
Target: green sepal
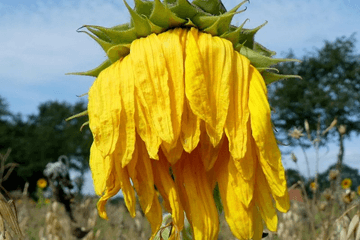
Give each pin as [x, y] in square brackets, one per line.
[185, 10]
[98, 33]
[118, 51]
[115, 36]
[216, 25]
[84, 113]
[271, 77]
[155, 28]
[258, 60]
[263, 50]
[104, 45]
[234, 36]
[121, 27]
[83, 125]
[144, 7]
[141, 25]
[94, 72]
[164, 17]
[215, 7]
[248, 36]
[189, 23]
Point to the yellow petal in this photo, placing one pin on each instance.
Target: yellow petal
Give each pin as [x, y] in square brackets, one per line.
[173, 48]
[172, 153]
[144, 177]
[209, 153]
[100, 169]
[258, 225]
[282, 203]
[154, 216]
[127, 188]
[269, 153]
[190, 129]
[199, 203]
[112, 188]
[167, 188]
[146, 130]
[152, 83]
[217, 55]
[264, 201]
[239, 217]
[126, 144]
[238, 115]
[104, 109]
[196, 86]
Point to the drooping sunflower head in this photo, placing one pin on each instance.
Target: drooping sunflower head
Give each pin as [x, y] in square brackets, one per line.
[180, 108]
[346, 183]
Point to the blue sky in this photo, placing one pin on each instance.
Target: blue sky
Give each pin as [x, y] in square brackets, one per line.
[39, 44]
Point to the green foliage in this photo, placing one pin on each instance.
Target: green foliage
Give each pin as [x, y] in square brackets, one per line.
[42, 138]
[293, 176]
[330, 88]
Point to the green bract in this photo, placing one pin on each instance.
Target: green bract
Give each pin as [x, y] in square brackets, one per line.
[209, 16]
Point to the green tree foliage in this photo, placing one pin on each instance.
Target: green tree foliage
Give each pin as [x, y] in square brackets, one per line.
[293, 176]
[42, 138]
[330, 89]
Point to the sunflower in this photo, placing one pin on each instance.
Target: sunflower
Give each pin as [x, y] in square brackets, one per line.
[41, 183]
[313, 186]
[180, 108]
[346, 183]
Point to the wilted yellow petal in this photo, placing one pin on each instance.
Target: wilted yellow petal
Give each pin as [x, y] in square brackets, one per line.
[196, 87]
[173, 49]
[167, 188]
[217, 55]
[127, 135]
[100, 169]
[172, 153]
[269, 153]
[231, 186]
[209, 153]
[152, 83]
[104, 109]
[258, 225]
[199, 203]
[112, 188]
[190, 129]
[238, 116]
[264, 201]
[146, 130]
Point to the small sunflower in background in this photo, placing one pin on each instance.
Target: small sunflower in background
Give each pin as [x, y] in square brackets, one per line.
[41, 183]
[313, 186]
[358, 190]
[181, 104]
[346, 183]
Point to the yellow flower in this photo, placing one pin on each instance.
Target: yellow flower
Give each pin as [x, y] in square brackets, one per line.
[186, 101]
[181, 104]
[41, 183]
[358, 190]
[346, 183]
[313, 186]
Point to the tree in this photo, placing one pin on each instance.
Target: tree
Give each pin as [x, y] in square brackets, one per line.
[330, 89]
[43, 138]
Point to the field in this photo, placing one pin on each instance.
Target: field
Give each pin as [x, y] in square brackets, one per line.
[327, 218]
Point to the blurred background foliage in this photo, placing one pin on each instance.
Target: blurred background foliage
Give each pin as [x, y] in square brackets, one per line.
[41, 138]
